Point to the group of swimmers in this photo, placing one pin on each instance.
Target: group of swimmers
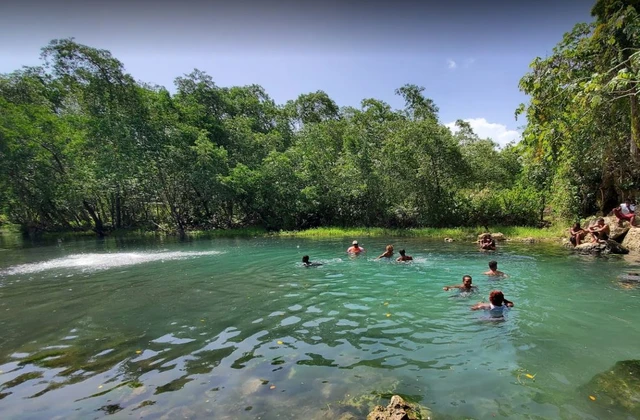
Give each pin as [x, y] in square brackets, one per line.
[497, 302]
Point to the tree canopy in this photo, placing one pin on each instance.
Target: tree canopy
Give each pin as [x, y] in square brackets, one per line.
[84, 145]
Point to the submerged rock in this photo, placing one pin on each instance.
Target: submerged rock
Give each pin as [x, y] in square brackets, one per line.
[618, 387]
[527, 240]
[601, 248]
[632, 240]
[630, 277]
[399, 409]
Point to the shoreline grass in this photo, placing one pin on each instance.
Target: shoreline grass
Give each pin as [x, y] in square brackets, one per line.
[515, 233]
[554, 233]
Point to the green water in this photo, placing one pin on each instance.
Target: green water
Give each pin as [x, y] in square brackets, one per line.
[237, 329]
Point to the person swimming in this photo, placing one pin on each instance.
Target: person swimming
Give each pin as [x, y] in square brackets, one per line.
[355, 249]
[497, 305]
[307, 263]
[404, 257]
[493, 270]
[388, 253]
[466, 286]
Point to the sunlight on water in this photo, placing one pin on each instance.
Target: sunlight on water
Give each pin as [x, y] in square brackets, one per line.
[95, 262]
[238, 329]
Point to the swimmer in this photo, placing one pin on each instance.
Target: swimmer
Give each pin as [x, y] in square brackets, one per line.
[404, 257]
[355, 249]
[307, 263]
[466, 285]
[388, 253]
[496, 306]
[493, 270]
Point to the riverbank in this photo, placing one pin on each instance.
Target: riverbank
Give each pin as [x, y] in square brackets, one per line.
[515, 233]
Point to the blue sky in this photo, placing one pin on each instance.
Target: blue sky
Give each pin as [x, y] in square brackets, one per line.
[468, 56]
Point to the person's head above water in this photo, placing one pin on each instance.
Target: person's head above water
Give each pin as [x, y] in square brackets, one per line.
[355, 243]
[493, 265]
[467, 281]
[496, 297]
[389, 248]
[305, 259]
[401, 252]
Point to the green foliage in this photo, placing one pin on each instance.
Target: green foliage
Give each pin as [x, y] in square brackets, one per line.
[581, 141]
[85, 146]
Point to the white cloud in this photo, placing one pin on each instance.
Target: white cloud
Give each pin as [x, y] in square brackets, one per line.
[451, 64]
[499, 133]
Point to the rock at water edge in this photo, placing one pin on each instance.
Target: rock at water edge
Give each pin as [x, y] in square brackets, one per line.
[601, 248]
[632, 240]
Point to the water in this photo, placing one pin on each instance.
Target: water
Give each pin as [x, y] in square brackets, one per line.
[237, 329]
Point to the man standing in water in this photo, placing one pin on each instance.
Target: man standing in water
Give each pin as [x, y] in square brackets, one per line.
[493, 270]
[354, 249]
[466, 285]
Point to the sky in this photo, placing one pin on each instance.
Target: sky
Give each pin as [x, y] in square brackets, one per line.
[469, 55]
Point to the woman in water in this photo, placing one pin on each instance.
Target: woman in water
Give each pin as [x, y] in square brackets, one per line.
[388, 253]
[487, 243]
[496, 306]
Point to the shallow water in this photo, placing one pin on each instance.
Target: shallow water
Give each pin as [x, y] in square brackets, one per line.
[237, 329]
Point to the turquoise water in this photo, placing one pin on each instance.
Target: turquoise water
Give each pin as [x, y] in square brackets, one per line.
[237, 329]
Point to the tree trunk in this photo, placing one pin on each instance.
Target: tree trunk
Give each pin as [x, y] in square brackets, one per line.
[635, 127]
[99, 229]
[118, 208]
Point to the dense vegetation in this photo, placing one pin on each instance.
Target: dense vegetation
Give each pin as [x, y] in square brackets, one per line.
[583, 132]
[85, 146]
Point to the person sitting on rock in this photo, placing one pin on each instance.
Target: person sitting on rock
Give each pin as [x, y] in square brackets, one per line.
[307, 263]
[404, 257]
[388, 253]
[487, 243]
[577, 234]
[466, 285]
[493, 270]
[496, 306]
[600, 231]
[626, 211]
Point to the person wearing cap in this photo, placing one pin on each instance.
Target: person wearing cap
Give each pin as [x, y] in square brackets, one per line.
[355, 249]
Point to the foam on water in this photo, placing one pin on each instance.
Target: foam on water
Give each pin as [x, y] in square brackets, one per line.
[95, 262]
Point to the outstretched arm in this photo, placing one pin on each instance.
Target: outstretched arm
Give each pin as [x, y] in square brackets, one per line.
[451, 287]
[480, 305]
[508, 303]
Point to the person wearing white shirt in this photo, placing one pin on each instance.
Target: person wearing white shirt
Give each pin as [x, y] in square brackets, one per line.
[626, 211]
